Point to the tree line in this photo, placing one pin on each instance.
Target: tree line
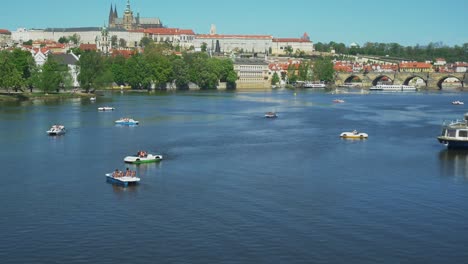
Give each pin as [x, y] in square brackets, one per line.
[153, 68]
[430, 52]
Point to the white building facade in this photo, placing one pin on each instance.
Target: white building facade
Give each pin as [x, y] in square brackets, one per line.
[303, 44]
[234, 43]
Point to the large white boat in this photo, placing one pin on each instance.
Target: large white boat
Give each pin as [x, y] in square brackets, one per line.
[455, 133]
[393, 88]
[314, 85]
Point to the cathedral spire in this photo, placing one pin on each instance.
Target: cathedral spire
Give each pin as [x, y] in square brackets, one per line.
[128, 7]
[111, 15]
[115, 12]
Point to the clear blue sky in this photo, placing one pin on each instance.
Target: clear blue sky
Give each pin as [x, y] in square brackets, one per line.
[408, 22]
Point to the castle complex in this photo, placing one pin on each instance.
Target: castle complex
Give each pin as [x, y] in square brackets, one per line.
[131, 22]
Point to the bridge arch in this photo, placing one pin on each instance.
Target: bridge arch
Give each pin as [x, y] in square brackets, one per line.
[417, 77]
[443, 79]
[353, 78]
[382, 78]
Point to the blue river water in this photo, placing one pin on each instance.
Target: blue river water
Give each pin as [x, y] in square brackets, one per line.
[235, 187]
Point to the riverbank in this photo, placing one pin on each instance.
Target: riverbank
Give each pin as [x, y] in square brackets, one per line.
[14, 96]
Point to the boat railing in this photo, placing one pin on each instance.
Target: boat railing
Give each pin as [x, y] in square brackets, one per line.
[454, 122]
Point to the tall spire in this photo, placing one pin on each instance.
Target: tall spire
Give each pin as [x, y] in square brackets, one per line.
[128, 6]
[111, 15]
[115, 12]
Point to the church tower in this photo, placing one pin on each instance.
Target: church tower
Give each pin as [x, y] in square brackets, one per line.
[111, 17]
[103, 43]
[128, 17]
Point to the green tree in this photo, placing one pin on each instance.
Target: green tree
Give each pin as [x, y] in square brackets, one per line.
[114, 40]
[139, 73]
[181, 73]
[145, 41]
[28, 43]
[24, 62]
[51, 76]
[118, 69]
[323, 70]
[204, 47]
[10, 76]
[122, 43]
[275, 79]
[92, 71]
[63, 40]
[289, 50]
[75, 38]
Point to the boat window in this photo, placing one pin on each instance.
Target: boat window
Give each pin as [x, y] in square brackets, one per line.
[463, 133]
[451, 133]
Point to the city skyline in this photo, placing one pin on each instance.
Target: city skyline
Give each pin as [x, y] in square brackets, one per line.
[403, 22]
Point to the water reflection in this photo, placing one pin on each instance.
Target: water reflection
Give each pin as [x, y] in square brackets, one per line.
[454, 163]
[119, 189]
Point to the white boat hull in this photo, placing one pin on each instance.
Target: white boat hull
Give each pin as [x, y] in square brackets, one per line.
[139, 160]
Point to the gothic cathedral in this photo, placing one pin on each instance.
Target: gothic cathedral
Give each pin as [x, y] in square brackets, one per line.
[131, 22]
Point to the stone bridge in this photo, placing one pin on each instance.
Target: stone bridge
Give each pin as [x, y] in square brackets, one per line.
[432, 80]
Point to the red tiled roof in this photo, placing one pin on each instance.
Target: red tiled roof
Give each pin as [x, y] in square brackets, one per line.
[216, 36]
[291, 40]
[342, 68]
[4, 31]
[169, 31]
[126, 53]
[88, 47]
[415, 65]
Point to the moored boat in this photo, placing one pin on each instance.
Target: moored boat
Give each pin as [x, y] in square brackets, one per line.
[143, 157]
[354, 135]
[127, 121]
[56, 130]
[393, 88]
[271, 115]
[455, 133]
[314, 85]
[122, 178]
[106, 108]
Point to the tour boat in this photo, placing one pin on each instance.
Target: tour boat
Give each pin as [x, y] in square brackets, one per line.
[118, 177]
[393, 88]
[127, 122]
[338, 101]
[142, 157]
[314, 85]
[106, 108]
[458, 103]
[455, 133]
[354, 135]
[271, 115]
[56, 130]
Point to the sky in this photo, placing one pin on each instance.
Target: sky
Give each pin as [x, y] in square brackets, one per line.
[407, 22]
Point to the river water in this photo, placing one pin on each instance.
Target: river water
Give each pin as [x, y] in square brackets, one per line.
[235, 187]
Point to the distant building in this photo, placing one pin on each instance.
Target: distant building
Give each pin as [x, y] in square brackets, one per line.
[460, 67]
[303, 44]
[182, 37]
[234, 43]
[5, 37]
[251, 73]
[440, 62]
[415, 67]
[131, 22]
